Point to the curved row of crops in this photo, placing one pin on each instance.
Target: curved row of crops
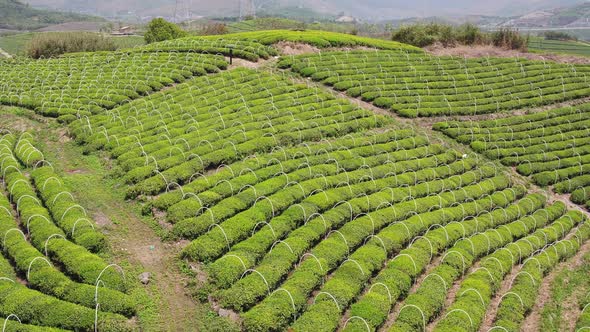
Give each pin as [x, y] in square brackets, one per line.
[304, 211]
[84, 84]
[249, 50]
[536, 255]
[304, 217]
[416, 85]
[52, 274]
[552, 146]
[170, 138]
[345, 228]
[320, 39]
[259, 44]
[584, 319]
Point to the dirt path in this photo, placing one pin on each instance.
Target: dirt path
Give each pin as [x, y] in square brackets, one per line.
[415, 286]
[481, 51]
[495, 302]
[134, 240]
[571, 309]
[5, 54]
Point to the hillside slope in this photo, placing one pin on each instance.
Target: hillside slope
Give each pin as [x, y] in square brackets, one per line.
[19, 16]
[375, 9]
[572, 16]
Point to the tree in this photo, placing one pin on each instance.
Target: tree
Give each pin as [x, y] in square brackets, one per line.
[159, 29]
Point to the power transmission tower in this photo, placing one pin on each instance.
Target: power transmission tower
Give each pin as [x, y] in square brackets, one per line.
[247, 9]
[181, 10]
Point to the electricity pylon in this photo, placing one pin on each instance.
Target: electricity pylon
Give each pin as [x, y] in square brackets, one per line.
[247, 8]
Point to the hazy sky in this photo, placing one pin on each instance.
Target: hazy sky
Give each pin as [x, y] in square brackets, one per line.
[404, 8]
[376, 9]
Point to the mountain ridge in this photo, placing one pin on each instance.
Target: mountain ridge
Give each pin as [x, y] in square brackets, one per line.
[367, 9]
[15, 15]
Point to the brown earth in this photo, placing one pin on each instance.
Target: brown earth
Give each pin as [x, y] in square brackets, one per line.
[292, 48]
[497, 52]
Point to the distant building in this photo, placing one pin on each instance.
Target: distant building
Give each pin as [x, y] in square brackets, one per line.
[124, 31]
[346, 19]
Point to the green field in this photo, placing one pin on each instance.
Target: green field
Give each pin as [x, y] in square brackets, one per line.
[17, 44]
[292, 193]
[558, 46]
[417, 85]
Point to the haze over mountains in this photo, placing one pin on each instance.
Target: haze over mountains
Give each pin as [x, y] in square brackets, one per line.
[365, 9]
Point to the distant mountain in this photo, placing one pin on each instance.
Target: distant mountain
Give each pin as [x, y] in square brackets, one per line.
[517, 8]
[16, 15]
[365, 9]
[563, 17]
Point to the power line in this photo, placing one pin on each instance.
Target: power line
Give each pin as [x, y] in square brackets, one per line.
[246, 8]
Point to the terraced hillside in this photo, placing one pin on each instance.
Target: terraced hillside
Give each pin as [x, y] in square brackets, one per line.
[254, 199]
[549, 146]
[419, 85]
[52, 271]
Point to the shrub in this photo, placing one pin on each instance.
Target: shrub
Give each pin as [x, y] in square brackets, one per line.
[159, 30]
[417, 35]
[214, 29]
[558, 35]
[423, 35]
[55, 44]
[509, 39]
[469, 34]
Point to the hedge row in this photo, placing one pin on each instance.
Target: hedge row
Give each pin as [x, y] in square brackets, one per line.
[240, 225]
[45, 236]
[376, 305]
[230, 122]
[275, 312]
[416, 85]
[513, 309]
[89, 83]
[552, 147]
[70, 216]
[264, 166]
[410, 261]
[295, 171]
[341, 206]
[430, 296]
[47, 278]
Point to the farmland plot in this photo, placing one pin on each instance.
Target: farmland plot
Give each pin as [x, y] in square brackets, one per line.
[294, 208]
[170, 138]
[52, 271]
[88, 83]
[551, 147]
[419, 85]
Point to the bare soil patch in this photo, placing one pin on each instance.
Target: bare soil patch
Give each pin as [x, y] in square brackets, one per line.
[74, 26]
[5, 54]
[237, 62]
[292, 48]
[102, 220]
[571, 309]
[480, 51]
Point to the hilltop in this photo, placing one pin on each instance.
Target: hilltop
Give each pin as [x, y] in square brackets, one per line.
[15, 15]
[570, 17]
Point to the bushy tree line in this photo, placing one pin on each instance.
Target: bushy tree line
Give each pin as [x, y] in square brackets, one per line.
[423, 35]
[55, 44]
[558, 35]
